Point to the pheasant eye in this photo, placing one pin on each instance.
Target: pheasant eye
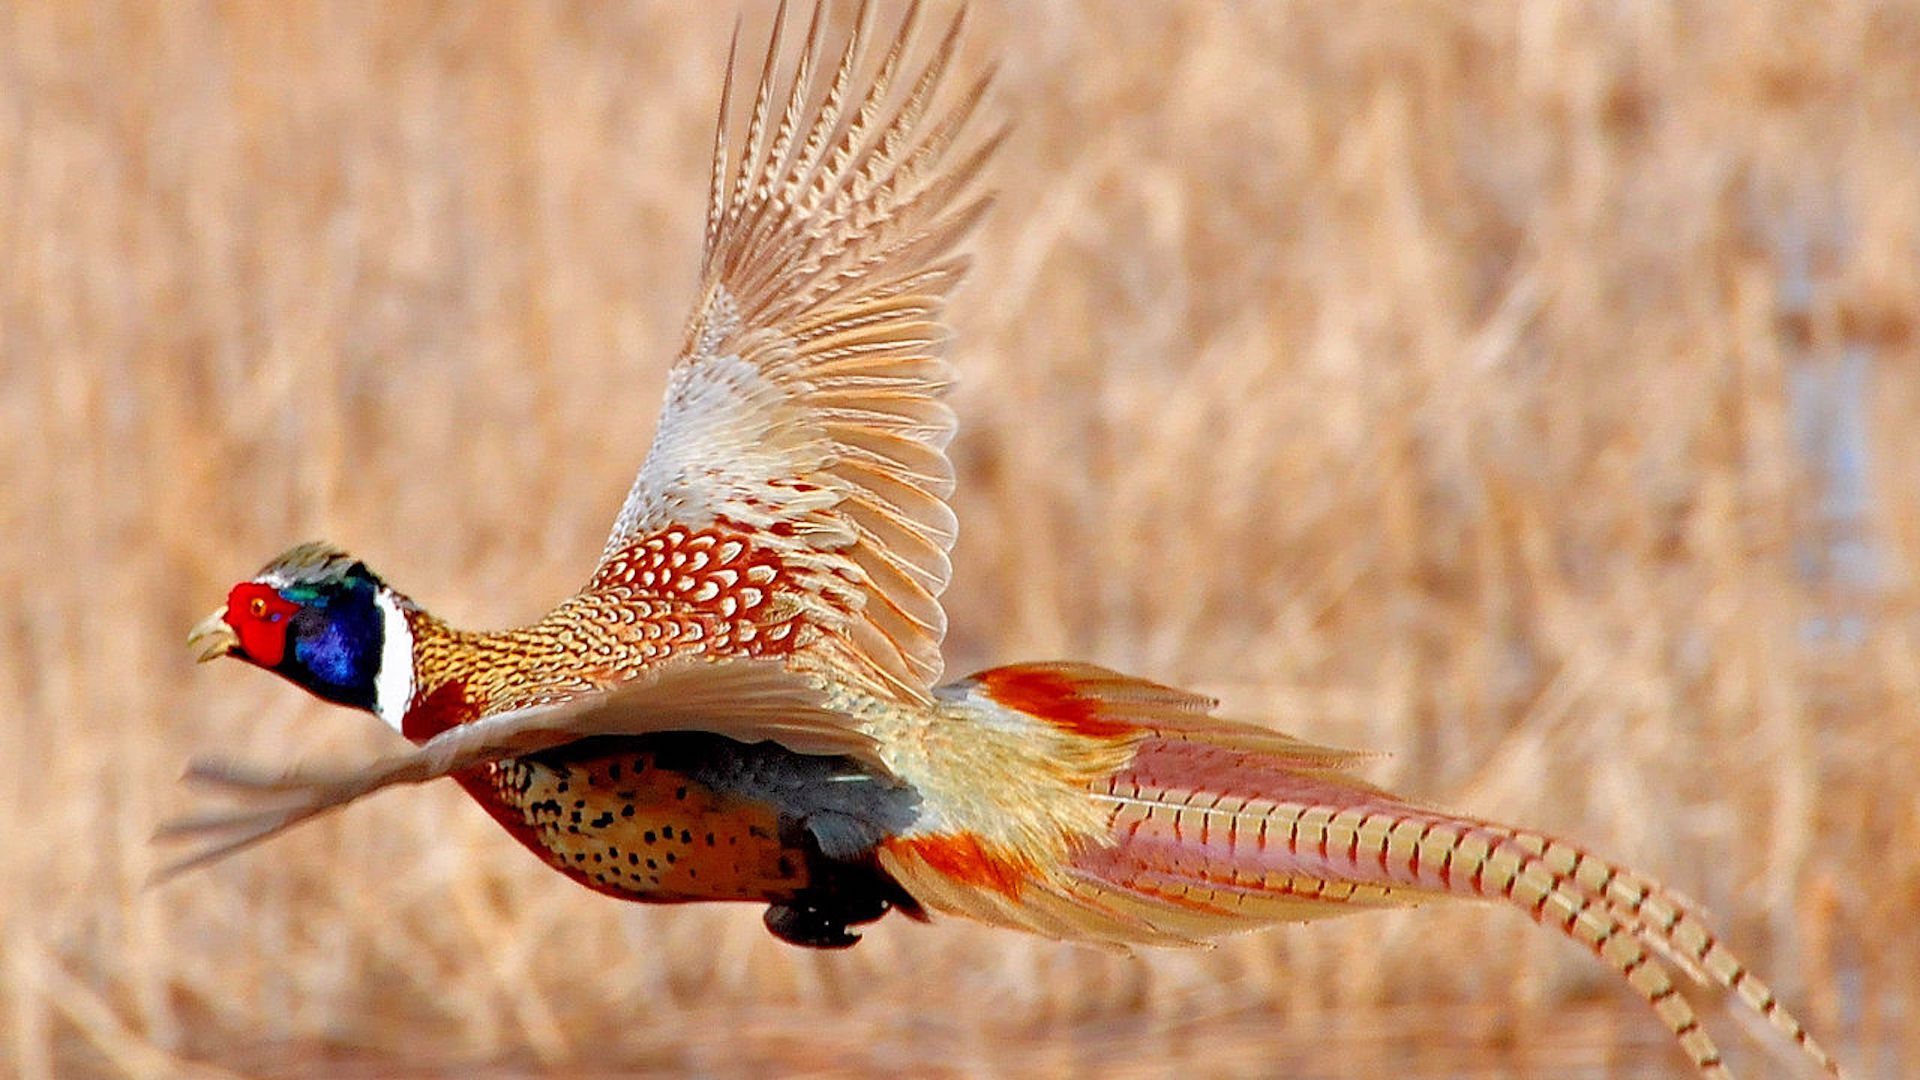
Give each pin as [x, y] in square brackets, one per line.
[258, 607]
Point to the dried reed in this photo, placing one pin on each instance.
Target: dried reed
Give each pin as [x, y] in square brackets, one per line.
[1526, 390]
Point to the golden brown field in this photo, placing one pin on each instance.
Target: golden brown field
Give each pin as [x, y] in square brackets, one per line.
[1530, 391]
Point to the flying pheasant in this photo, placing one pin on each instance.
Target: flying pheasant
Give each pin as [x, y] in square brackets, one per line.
[741, 704]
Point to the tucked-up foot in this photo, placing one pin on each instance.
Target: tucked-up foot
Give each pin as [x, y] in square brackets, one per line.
[804, 922]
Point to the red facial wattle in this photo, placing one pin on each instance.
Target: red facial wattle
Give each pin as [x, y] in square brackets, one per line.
[261, 617]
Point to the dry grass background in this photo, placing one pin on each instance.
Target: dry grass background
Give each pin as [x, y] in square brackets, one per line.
[1528, 390]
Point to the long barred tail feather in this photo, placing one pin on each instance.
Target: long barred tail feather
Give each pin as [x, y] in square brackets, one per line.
[1216, 827]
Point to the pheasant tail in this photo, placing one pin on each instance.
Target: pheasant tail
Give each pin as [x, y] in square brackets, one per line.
[1214, 827]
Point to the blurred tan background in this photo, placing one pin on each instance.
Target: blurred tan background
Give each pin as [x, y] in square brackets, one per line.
[1528, 390]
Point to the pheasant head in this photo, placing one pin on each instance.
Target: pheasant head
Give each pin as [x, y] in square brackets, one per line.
[319, 618]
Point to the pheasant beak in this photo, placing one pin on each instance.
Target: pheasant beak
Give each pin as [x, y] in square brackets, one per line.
[212, 637]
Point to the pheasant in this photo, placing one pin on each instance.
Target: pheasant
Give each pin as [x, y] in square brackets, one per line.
[743, 702]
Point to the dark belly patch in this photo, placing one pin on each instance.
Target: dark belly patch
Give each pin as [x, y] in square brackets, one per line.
[622, 824]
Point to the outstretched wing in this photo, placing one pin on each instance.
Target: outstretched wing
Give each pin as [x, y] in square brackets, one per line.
[747, 700]
[803, 414]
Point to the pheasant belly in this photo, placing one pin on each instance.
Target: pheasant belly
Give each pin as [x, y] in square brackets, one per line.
[624, 825]
[687, 816]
